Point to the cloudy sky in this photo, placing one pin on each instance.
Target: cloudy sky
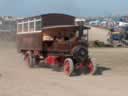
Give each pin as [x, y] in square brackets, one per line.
[73, 7]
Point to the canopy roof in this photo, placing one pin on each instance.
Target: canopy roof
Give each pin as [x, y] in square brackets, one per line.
[62, 28]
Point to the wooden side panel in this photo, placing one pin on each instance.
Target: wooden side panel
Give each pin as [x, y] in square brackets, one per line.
[31, 41]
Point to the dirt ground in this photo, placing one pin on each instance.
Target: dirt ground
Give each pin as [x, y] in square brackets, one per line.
[16, 79]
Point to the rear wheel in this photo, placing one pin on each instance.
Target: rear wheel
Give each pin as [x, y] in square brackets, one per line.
[30, 60]
[68, 66]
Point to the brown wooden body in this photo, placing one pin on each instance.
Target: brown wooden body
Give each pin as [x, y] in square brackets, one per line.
[33, 40]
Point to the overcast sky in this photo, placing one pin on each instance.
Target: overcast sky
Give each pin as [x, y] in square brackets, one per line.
[73, 7]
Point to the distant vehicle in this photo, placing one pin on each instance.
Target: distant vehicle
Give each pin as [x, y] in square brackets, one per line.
[123, 24]
[117, 39]
[94, 23]
[56, 40]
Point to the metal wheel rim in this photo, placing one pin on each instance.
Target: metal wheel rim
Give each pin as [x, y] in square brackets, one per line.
[91, 68]
[68, 66]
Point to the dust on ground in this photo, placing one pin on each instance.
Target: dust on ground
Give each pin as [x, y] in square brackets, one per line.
[18, 80]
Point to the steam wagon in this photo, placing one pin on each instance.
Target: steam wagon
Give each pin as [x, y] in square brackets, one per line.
[59, 40]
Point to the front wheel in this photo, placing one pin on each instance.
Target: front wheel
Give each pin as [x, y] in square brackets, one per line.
[91, 67]
[68, 66]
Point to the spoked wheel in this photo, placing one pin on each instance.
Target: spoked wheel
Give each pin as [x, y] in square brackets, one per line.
[91, 67]
[68, 66]
[30, 60]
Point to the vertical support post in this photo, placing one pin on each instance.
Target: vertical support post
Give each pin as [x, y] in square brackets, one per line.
[87, 36]
[28, 26]
[22, 27]
[34, 24]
